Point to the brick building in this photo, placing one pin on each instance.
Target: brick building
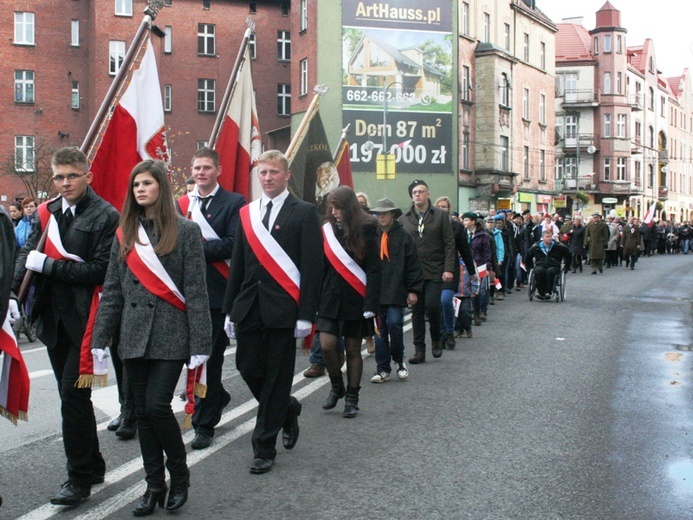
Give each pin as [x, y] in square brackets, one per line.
[58, 59]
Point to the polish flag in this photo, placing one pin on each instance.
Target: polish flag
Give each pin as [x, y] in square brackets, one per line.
[498, 284]
[523, 266]
[134, 133]
[239, 144]
[650, 213]
[481, 271]
[14, 377]
[343, 164]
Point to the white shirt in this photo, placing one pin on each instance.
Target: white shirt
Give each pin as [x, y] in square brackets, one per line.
[277, 203]
[197, 197]
[66, 206]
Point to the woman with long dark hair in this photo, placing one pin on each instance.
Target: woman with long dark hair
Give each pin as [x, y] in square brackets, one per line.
[155, 294]
[350, 292]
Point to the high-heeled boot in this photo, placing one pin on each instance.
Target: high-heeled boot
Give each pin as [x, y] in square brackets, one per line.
[148, 502]
[351, 402]
[336, 392]
[179, 492]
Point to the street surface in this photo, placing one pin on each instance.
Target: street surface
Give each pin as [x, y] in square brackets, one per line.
[580, 409]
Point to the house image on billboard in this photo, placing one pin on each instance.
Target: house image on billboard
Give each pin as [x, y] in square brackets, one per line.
[376, 63]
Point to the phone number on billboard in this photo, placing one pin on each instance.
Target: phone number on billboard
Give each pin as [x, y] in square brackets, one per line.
[378, 97]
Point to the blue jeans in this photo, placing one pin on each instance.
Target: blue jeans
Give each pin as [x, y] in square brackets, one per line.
[520, 275]
[448, 314]
[480, 303]
[685, 245]
[390, 343]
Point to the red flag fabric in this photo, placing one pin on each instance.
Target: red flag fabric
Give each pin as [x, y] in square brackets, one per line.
[482, 271]
[650, 213]
[344, 166]
[14, 377]
[134, 133]
[239, 144]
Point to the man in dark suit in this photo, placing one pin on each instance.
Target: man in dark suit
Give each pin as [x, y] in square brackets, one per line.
[271, 300]
[62, 305]
[216, 211]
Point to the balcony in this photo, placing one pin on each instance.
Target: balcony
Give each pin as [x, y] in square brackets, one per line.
[571, 141]
[663, 193]
[636, 145]
[577, 98]
[635, 101]
[663, 156]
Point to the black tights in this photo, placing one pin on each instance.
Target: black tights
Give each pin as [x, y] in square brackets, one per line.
[354, 361]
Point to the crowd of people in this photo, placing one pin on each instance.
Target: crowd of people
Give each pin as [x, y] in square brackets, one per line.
[167, 283]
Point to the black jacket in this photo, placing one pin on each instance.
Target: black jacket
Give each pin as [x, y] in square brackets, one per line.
[558, 252]
[401, 274]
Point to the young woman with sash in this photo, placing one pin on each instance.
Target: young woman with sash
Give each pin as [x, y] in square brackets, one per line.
[155, 293]
[350, 294]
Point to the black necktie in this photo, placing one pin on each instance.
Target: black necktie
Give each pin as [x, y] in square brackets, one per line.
[204, 202]
[265, 219]
[65, 221]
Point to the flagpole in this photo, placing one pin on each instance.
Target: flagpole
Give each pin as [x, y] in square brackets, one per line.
[300, 134]
[342, 139]
[150, 12]
[231, 85]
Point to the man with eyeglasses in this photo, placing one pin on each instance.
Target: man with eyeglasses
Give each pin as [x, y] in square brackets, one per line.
[81, 226]
[431, 229]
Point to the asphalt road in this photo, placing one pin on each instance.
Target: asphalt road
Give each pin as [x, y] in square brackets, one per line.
[580, 409]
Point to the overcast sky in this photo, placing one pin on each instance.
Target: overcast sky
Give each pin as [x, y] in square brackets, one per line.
[669, 23]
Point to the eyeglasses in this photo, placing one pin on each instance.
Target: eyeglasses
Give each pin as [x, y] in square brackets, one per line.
[70, 177]
[419, 192]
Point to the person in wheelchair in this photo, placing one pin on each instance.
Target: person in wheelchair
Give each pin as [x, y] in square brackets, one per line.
[545, 257]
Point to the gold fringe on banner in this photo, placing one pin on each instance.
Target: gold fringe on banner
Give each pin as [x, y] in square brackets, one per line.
[92, 381]
[200, 390]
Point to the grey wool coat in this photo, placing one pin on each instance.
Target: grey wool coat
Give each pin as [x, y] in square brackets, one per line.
[150, 327]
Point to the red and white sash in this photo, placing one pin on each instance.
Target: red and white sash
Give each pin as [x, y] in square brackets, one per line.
[54, 249]
[345, 266]
[268, 251]
[147, 267]
[14, 377]
[208, 233]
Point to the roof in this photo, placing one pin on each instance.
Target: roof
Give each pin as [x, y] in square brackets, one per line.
[573, 43]
[676, 83]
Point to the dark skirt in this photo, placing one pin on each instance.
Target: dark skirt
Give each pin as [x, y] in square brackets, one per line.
[346, 328]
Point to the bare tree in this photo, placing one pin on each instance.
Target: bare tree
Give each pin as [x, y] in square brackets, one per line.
[34, 171]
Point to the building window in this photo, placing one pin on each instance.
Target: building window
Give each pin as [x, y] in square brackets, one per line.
[123, 7]
[542, 109]
[74, 33]
[504, 150]
[542, 55]
[465, 150]
[283, 45]
[651, 65]
[116, 55]
[619, 44]
[168, 39]
[607, 169]
[23, 86]
[651, 100]
[650, 176]
[506, 35]
[252, 46]
[558, 169]
[663, 106]
[650, 137]
[304, 77]
[24, 28]
[504, 90]
[619, 83]
[284, 99]
[638, 173]
[596, 45]
[168, 3]
[607, 125]
[571, 168]
[621, 120]
[466, 82]
[525, 103]
[571, 127]
[487, 27]
[607, 43]
[206, 95]
[304, 15]
[525, 47]
[465, 18]
[206, 42]
[24, 146]
[621, 169]
[206, 4]
[252, 8]
[286, 8]
[525, 163]
[542, 165]
[607, 83]
[74, 105]
[638, 132]
[201, 144]
[168, 97]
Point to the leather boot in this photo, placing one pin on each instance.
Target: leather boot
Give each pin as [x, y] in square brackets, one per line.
[148, 502]
[179, 492]
[336, 393]
[437, 349]
[477, 318]
[418, 357]
[351, 402]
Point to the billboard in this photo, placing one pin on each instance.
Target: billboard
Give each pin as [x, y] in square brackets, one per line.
[397, 83]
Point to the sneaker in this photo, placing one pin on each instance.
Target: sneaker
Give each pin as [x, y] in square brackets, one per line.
[380, 377]
[402, 371]
[469, 333]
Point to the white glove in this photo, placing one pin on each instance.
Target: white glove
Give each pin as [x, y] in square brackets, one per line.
[229, 327]
[101, 353]
[197, 361]
[13, 312]
[35, 261]
[368, 315]
[303, 328]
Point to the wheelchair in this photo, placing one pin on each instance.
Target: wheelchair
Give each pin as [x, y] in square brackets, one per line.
[558, 290]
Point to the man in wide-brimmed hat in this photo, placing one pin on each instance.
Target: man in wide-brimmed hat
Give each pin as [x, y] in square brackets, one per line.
[401, 284]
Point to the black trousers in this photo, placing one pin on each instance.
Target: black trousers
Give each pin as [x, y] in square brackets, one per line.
[265, 358]
[429, 304]
[208, 410]
[84, 460]
[153, 382]
[545, 277]
[125, 397]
